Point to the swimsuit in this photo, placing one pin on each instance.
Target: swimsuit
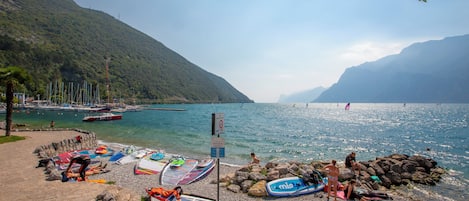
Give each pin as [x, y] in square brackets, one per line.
[333, 178]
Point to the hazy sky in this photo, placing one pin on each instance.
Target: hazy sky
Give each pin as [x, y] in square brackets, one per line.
[266, 48]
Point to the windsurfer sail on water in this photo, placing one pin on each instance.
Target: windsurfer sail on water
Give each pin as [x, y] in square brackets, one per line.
[347, 107]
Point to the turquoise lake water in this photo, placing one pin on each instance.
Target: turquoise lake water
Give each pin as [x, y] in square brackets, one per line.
[290, 131]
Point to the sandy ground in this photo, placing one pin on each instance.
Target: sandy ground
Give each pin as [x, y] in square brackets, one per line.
[20, 180]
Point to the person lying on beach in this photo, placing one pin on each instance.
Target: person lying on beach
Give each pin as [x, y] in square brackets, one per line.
[349, 191]
[84, 161]
[165, 195]
[90, 171]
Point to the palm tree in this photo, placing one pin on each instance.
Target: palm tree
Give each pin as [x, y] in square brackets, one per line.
[12, 76]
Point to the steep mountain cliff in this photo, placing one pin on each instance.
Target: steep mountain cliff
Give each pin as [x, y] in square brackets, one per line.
[302, 97]
[58, 40]
[429, 72]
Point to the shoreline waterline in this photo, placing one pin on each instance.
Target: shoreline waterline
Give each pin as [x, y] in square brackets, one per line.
[138, 183]
[281, 132]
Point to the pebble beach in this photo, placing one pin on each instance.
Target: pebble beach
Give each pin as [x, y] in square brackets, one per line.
[23, 181]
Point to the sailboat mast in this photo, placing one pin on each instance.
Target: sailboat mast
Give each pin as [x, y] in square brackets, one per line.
[108, 87]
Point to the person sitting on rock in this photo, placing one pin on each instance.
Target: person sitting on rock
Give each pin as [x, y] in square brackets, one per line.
[254, 159]
[351, 163]
[165, 195]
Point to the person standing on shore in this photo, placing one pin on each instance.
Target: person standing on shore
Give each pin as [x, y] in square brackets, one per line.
[52, 124]
[333, 178]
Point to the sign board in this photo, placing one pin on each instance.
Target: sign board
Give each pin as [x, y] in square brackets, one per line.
[218, 142]
[217, 147]
[218, 123]
[217, 152]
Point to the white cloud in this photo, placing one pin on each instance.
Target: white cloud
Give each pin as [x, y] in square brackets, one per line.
[370, 51]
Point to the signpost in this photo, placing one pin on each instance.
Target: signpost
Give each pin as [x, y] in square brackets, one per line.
[218, 144]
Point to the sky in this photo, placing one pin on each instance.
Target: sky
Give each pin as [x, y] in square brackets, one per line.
[268, 48]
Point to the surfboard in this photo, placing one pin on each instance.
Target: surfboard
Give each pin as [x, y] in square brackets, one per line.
[114, 158]
[184, 197]
[199, 172]
[134, 156]
[292, 186]
[173, 175]
[157, 156]
[148, 166]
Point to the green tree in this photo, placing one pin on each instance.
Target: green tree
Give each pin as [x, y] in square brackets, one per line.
[12, 76]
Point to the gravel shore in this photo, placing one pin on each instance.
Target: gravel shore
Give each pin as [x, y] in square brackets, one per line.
[23, 181]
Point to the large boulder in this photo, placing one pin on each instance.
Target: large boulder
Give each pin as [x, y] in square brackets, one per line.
[409, 166]
[399, 157]
[256, 176]
[423, 162]
[394, 177]
[396, 167]
[241, 176]
[378, 170]
[371, 171]
[422, 178]
[258, 189]
[245, 185]
[385, 181]
[346, 174]
[273, 175]
[283, 168]
[234, 188]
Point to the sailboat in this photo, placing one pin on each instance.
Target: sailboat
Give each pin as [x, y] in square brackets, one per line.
[106, 114]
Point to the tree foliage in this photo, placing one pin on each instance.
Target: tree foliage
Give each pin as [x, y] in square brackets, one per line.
[58, 40]
[11, 76]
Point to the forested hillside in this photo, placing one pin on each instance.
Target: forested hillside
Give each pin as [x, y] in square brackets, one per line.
[58, 40]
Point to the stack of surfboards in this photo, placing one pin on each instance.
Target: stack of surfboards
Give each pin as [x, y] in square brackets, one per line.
[132, 157]
[152, 163]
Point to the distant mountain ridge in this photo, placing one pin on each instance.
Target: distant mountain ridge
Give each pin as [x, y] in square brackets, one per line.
[302, 97]
[58, 40]
[436, 71]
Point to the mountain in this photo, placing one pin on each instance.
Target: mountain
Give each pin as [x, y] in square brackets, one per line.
[58, 40]
[430, 72]
[302, 97]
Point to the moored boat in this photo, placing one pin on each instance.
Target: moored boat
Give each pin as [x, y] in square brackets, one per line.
[103, 117]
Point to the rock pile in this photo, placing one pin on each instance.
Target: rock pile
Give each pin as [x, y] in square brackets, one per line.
[85, 141]
[396, 169]
[45, 152]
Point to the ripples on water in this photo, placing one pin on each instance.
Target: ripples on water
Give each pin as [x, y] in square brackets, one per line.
[300, 132]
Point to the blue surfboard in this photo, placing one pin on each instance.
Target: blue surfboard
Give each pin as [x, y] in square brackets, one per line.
[293, 186]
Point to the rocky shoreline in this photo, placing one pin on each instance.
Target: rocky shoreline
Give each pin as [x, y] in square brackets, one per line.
[248, 182]
[380, 174]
